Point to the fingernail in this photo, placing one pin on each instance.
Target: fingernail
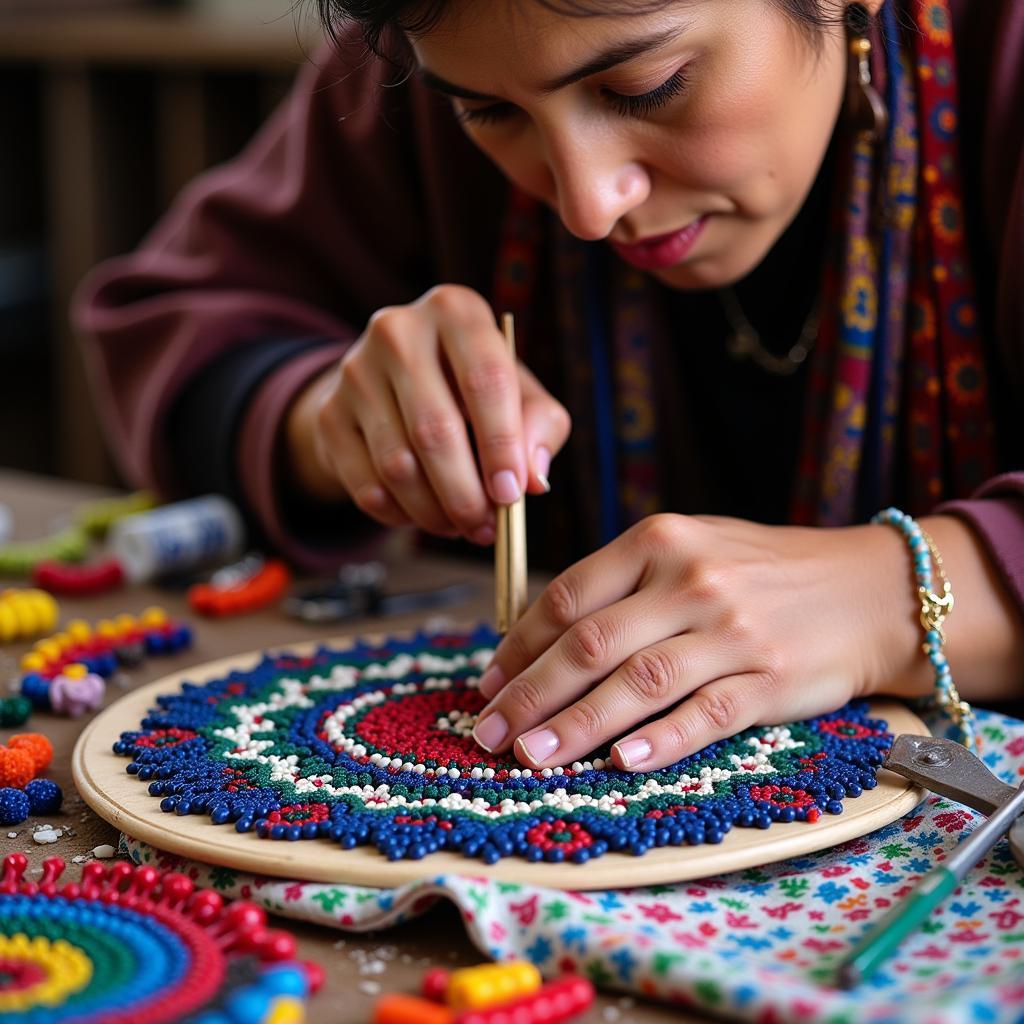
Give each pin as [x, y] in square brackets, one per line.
[484, 535]
[490, 731]
[491, 682]
[633, 752]
[505, 487]
[541, 465]
[372, 497]
[540, 745]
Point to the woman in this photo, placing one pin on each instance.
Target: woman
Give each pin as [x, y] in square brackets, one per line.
[743, 252]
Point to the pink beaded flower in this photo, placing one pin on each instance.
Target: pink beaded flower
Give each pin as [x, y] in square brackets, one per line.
[74, 696]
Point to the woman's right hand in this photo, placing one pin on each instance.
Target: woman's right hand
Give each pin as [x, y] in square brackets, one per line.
[396, 422]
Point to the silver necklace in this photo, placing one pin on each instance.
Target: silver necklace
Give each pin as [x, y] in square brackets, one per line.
[745, 343]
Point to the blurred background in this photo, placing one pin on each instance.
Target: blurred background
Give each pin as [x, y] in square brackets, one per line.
[107, 108]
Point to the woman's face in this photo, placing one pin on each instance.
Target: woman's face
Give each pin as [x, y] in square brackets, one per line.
[688, 137]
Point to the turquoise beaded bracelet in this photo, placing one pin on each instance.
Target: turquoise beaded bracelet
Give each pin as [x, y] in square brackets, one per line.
[934, 609]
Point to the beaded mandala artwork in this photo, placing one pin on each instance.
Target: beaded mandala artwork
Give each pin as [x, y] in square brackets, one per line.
[135, 945]
[373, 746]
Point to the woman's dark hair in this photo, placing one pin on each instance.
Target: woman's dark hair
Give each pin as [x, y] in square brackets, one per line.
[380, 20]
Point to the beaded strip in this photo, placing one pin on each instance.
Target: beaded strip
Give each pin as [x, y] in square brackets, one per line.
[81, 651]
[373, 746]
[934, 610]
[137, 946]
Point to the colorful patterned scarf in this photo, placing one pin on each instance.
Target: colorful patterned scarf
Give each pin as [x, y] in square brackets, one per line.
[896, 403]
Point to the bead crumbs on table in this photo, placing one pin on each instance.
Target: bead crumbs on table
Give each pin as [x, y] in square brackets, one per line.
[369, 747]
[132, 945]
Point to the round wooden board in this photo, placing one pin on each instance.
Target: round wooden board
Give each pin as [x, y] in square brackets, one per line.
[123, 801]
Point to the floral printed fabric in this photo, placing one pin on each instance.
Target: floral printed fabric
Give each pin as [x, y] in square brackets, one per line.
[760, 945]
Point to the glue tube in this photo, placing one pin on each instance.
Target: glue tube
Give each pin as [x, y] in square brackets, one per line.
[177, 538]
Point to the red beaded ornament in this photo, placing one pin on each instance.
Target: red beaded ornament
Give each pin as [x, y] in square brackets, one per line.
[133, 945]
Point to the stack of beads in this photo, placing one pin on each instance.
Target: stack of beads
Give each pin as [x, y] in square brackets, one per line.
[136, 945]
[500, 993]
[25, 614]
[81, 651]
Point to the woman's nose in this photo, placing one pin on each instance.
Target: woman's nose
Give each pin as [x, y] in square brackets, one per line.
[595, 188]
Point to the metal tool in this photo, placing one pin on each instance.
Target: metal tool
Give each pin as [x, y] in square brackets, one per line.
[951, 770]
[359, 592]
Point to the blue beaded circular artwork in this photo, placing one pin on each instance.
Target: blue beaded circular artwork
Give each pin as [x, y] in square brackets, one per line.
[372, 746]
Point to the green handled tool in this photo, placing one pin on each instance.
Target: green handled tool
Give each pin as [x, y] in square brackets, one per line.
[951, 770]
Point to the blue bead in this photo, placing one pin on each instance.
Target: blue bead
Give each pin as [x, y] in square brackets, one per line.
[37, 689]
[44, 796]
[14, 806]
[284, 981]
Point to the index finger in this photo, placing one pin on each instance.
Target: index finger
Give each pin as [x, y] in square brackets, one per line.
[600, 579]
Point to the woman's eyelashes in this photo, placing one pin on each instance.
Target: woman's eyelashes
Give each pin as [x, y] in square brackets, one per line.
[491, 114]
[627, 105]
[647, 103]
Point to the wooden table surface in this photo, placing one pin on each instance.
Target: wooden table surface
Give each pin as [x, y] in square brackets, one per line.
[352, 962]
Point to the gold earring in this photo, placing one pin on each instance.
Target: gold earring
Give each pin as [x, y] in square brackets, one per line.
[865, 108]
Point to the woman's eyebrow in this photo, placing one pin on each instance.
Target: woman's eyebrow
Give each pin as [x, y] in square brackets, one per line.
[610, 58]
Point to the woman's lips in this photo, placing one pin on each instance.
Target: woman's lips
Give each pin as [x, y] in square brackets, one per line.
[662, 251]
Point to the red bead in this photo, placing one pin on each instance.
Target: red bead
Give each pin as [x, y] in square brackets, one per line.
[176, 888]
[315, 976]
[435, 984]
[205, 906]
[273, 945]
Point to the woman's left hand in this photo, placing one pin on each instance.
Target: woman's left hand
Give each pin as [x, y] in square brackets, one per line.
[695, 628]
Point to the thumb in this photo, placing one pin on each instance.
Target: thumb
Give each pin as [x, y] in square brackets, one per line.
[546, 428]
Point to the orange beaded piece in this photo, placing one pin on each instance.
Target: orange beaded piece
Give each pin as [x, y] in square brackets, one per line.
[17, 768]
[36, 745]
[401, 1009]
